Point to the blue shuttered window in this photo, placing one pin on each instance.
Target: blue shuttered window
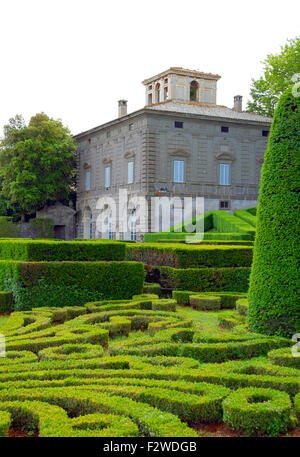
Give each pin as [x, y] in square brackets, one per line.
[224, 174]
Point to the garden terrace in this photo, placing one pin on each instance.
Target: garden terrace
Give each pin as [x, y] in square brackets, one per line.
[217, 225]
[45, 273]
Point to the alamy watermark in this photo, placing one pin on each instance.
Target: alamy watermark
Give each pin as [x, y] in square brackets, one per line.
[296, 347]
[165, 214]
[2, 346]
[296, 87]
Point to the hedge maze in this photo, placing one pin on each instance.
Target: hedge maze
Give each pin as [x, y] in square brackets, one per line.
[141, 368]
[93, 350]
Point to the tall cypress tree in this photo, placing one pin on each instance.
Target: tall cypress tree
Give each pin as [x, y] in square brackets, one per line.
[274, 294]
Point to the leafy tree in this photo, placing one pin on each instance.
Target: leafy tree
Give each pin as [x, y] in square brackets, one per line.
[37, 162]
[274, 306]
[277, 77]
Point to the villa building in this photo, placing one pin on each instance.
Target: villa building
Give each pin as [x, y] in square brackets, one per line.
[180, 144]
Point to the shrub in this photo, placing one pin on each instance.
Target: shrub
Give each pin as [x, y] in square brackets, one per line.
[164, 305]
[119, 326]
[274, 306]
[40, 284]
[258, 411]
[246, 216]
[213, 241]
[6, 302]
[188, 256]
[205, 302]
[242, 306]
[150, 420]
[228, 322]
[145, 297]
[188, 227]
[285, 357]
[5, 419]
[152, 288]
[228, 299]
[226, 222]
[182, 296]
[297, 406]
[205, 279]
[50, 250]
[230, 237]
[7, 228]
[71, 352]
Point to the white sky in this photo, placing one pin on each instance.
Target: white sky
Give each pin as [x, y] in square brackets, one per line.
[74, 59]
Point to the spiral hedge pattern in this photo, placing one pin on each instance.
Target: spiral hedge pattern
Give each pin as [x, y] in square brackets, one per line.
[137, 368]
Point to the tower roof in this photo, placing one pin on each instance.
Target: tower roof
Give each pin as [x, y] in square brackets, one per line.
[182, 72]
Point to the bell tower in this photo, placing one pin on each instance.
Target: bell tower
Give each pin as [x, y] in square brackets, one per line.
[182, 85]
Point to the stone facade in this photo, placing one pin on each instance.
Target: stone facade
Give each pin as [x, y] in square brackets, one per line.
[63, 218]
[204, 139]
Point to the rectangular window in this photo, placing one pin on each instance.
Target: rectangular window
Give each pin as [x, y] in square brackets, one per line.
[149, 99]
[265, 132]
[178, 125]
[224, 174]
[224, 129]
[130, 172]
[178, 171]
[88, 180]
[107, 177]
[224, 204]
[130, 126]
[166, 93]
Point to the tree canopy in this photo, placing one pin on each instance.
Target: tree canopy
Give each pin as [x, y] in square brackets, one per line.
[277, 77]
[37, 162]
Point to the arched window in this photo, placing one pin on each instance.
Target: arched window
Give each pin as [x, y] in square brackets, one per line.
[194, 86]
[157, 93]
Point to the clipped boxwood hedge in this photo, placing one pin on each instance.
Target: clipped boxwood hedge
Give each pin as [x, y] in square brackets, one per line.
[246, 216]
[188, 226]
[50, 250]
[6, 302]
[257, 411]
[188, 256]
[228, 299]
[297, 406]
[242, 306]
[285, 357]
[40, 284]
[152, 288]
[204, 279]
[226, 222]
[207, 236]
[205, 302]
[8, 228]
[274, 305]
